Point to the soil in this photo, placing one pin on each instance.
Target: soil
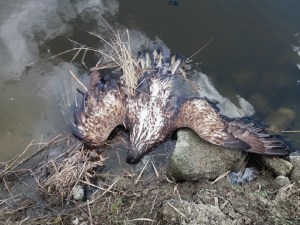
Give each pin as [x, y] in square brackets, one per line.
[253, 203]
[131, 199]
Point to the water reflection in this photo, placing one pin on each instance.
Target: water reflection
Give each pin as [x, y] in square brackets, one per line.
[250, 58]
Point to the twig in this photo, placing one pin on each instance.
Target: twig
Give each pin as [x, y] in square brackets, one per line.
[155, 170]
[76, 54]
[24, 220]
[79, 82]
[216, 201]
[90, 184]
[141, 173]
[154, 202]
[10, 167]
[290, 131]
[12, 159]
[108, 189]
[198, 51]
[177, 210]
[8, 189]
[181, 200]
[244, 166]
[220, 177]
[82, 60]
[40, 141]
[223, 205]
[142, 219]
[89, 210]
[37, 152]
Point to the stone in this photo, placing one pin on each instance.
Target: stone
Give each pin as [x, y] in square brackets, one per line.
[78, 192]
[282, 194]
[147, 159]
[261, 106]
[277, 165]
[281, 181]
[75, 221]
[186, 211]
[295, 175]
[280, 120]
[194, 158]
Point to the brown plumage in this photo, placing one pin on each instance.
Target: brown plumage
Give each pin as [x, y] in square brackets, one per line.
[152, 115]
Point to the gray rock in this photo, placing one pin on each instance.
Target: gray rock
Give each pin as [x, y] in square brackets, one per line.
[295, 175]
[194, 158]
[78, 192]
[194, 213]
[141, 164]
[277, 165]
[281, 181]
[280, 119]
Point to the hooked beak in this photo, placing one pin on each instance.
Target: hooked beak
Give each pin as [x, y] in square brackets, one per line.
[133, 157]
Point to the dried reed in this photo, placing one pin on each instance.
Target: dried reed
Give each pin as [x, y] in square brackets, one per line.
[118, 55]
[78, 166]
[122, 58]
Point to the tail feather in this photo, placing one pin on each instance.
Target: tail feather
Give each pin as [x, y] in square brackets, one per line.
[256, 129]
[260, 142]
[176, 65]
[156, 61]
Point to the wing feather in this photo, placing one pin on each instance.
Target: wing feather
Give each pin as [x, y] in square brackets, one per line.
[238, 133]
[103, 111]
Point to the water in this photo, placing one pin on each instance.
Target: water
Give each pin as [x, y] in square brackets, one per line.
[255, 50]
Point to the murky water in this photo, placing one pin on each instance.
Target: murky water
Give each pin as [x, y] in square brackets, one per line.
[251, 67]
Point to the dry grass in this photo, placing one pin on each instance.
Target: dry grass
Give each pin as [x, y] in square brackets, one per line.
[65, 176]
[121, 57]
[118, 55]
[55, 179]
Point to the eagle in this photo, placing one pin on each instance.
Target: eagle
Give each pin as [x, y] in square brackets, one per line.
[153, 113]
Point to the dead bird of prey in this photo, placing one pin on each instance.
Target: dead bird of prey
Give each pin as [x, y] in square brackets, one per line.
[152, 114]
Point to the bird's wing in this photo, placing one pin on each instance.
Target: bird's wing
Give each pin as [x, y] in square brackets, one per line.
[102, 111]
[239, 134]
[259, 141]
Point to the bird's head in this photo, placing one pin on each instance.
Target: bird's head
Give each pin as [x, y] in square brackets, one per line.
[137, 152]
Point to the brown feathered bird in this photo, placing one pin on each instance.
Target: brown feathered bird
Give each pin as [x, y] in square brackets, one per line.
[153, 114]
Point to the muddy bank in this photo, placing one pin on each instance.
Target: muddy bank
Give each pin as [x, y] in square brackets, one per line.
[134, 199]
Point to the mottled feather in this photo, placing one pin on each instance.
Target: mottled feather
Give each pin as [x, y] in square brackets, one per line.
[152, 114]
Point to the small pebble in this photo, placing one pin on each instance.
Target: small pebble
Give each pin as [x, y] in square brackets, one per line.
[76, 221]
[78, 192]
[173, 220]
[281, 181]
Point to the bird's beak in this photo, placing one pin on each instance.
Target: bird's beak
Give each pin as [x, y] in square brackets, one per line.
[133, 157]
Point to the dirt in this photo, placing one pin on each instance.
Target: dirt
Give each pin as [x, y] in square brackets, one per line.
[134, 199]
[246, 204]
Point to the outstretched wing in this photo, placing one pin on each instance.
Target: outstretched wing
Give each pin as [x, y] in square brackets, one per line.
[238, 133]
[102, 111]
